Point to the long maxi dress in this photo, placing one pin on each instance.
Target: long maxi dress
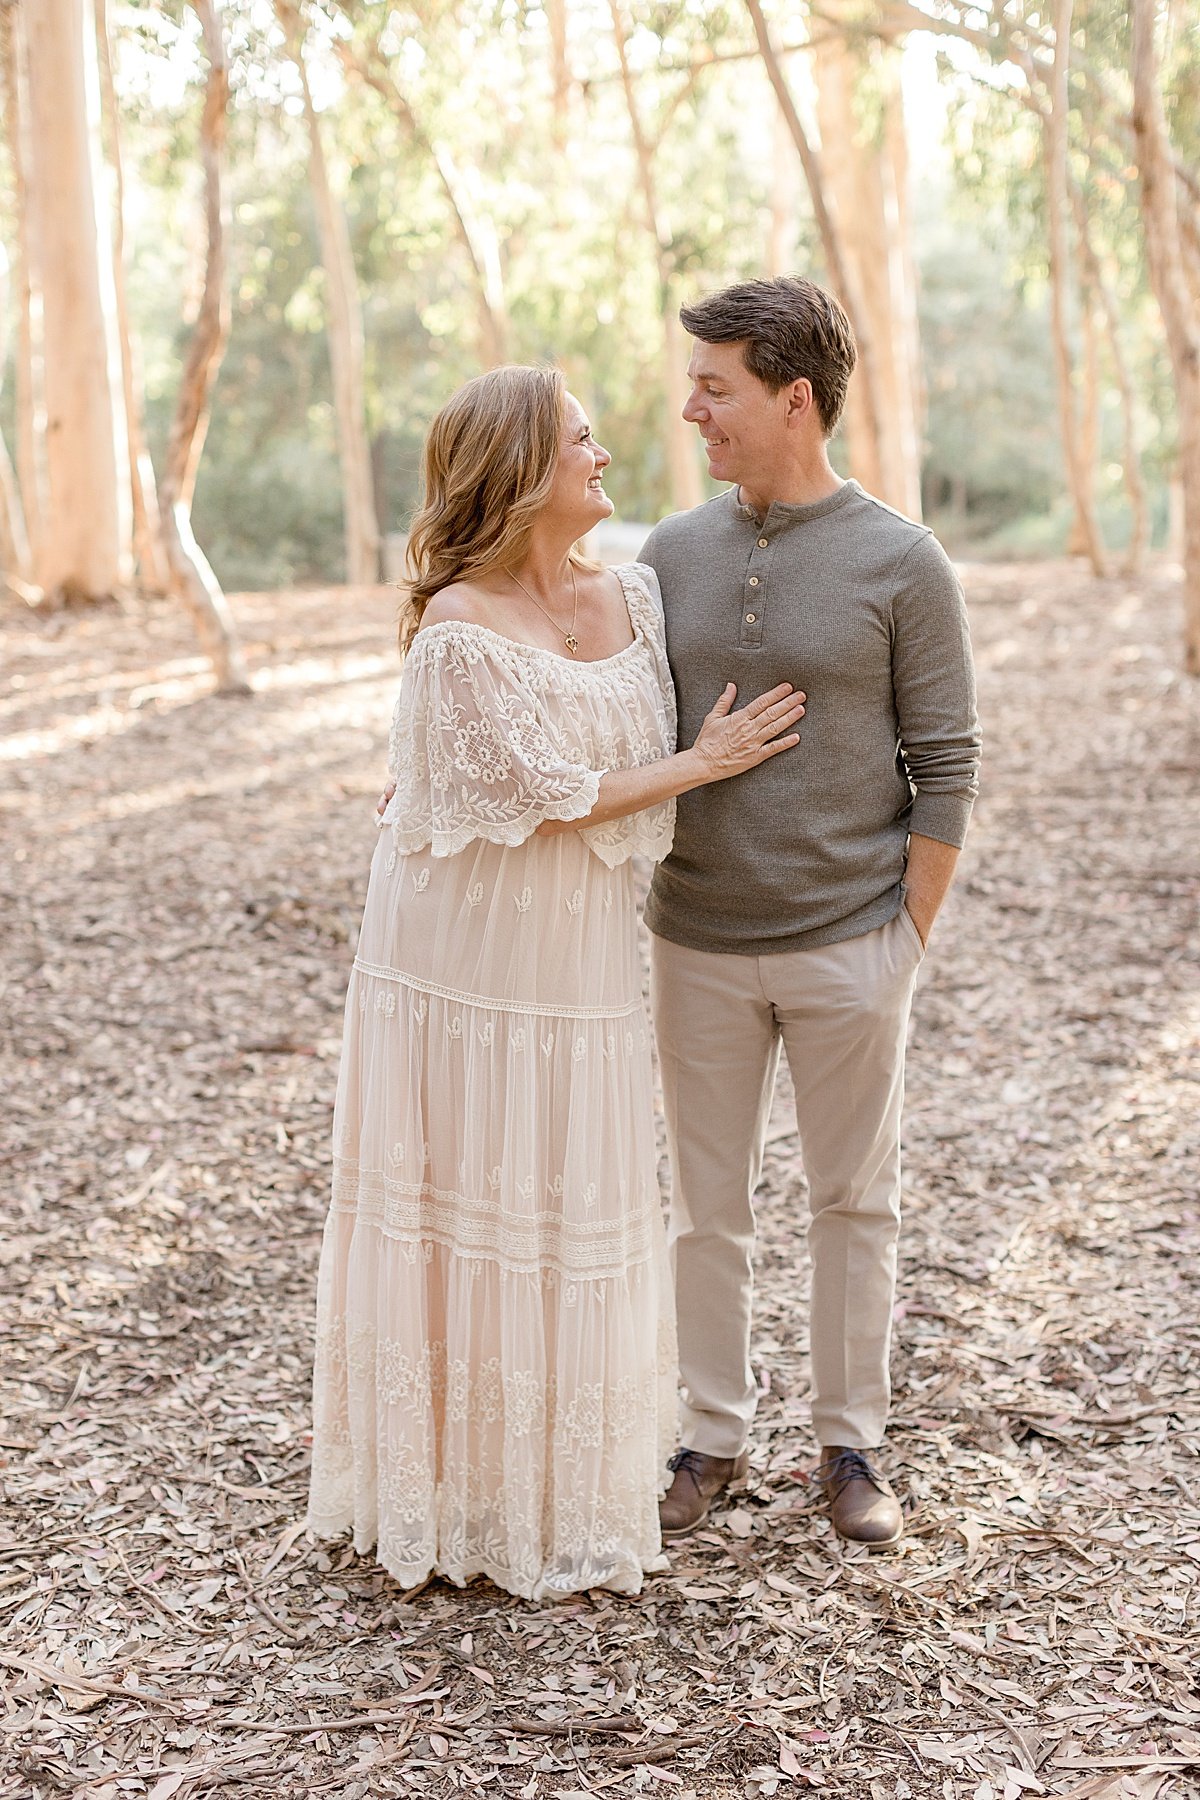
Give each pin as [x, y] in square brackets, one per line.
[495, 1379]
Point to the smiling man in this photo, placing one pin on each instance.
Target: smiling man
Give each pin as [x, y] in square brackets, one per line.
[796, 904]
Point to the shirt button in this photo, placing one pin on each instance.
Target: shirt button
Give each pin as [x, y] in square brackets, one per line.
[762, 543]
[750, 617]
[754, 581]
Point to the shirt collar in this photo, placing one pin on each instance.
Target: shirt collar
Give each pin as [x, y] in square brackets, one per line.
[781, 513]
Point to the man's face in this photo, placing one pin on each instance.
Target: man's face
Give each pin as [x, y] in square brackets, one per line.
[743, 424]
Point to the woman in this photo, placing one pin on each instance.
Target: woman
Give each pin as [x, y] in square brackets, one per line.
[495, 1379]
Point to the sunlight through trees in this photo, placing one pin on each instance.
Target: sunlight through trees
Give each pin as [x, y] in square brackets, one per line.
[1005, 200]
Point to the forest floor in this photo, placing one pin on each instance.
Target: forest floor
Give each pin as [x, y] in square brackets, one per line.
[181, 886]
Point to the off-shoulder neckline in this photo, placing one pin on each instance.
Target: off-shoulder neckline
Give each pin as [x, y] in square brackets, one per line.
[570, 662]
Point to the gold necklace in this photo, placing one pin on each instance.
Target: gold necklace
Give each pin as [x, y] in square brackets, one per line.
[568, 637]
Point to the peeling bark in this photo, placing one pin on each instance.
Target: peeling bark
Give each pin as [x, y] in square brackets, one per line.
[84, 545]
[1160, 202]
[147, 525]
[1088, 421]
[1080, 469]
[21, 486]
[866, 172]
[1131, 462]
[192, 579]
[839, 271]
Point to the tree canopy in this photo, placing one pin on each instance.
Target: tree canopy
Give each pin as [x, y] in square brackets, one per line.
[410, 193]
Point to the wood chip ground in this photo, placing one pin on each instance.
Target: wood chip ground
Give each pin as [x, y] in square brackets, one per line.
[180, 884]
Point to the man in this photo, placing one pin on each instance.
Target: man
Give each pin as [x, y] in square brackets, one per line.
[797, 901]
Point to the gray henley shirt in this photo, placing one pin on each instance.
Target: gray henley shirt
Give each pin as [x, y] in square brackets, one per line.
[861, 608]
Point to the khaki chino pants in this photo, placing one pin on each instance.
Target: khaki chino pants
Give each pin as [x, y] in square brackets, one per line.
[841, 1014]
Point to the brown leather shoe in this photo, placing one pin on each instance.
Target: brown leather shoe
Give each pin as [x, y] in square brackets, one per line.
[698, 1481]
[863, 1507]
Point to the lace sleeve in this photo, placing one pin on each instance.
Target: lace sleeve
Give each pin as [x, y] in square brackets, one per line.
[469, 754]
[650, 832]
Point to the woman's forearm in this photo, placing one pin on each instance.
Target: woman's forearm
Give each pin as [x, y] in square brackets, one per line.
[727, 745]
[624, 791]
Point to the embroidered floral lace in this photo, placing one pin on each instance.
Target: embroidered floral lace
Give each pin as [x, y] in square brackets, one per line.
[494, 1389]
[491, 737]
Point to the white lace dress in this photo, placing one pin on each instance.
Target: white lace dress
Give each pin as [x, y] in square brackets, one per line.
[494, 1390]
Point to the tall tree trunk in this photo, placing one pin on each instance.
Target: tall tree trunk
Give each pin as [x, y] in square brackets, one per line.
[147, 525]
[1088, 420]
[192, 579]
[15, 564]
[1189, 241]
[15, 561]
[864, 160]
[687, 489]
[1080, 469]
[487, 264]
[475, 233]
[866, 459]
[84, 547]
[905, 282]
[24, 486]
[1131, 462]
[1159, 193]
[560, 70]
[345, 333]
[781, 234]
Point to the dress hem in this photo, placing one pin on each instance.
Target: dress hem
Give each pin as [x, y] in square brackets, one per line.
[626, 1578]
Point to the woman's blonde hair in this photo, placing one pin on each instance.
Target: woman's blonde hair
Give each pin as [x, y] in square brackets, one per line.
[488, 468]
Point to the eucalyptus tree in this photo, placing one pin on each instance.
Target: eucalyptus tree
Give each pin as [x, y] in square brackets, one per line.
[83, 543]
[344, 326]
[860, 115]
[866, 412]
[1170, 211]
[147, 521]
[682, 460]
[191, 574]
[1114, 113]
[425, 66]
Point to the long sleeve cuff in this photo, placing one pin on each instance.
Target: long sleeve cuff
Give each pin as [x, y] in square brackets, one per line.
[944, 817]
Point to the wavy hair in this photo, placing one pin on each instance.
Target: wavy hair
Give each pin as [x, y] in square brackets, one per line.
[487, 471]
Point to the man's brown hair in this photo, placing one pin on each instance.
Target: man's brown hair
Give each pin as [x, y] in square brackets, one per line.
[792, 331]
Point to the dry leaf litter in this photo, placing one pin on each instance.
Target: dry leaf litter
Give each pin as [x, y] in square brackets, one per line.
[181, 884]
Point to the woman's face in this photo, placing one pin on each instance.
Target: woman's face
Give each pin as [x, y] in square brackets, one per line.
[577, 497]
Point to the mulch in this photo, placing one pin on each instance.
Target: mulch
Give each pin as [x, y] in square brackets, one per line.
[180, 885]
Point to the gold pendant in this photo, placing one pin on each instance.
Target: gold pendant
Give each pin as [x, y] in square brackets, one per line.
[572, 642]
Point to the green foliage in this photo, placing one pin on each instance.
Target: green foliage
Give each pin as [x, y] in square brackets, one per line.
[985, 257]
[472, 84]
[992, 428]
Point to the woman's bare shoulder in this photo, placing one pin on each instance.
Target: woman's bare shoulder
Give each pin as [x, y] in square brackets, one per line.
[463, 602]
[602, 583]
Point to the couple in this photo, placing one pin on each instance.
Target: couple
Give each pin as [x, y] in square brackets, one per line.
[776, 706]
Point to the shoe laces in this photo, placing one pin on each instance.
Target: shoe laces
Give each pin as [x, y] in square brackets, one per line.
[687, 1462]
[847, 1466]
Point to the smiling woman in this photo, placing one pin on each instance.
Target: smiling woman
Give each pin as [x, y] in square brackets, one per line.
[515, 567]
